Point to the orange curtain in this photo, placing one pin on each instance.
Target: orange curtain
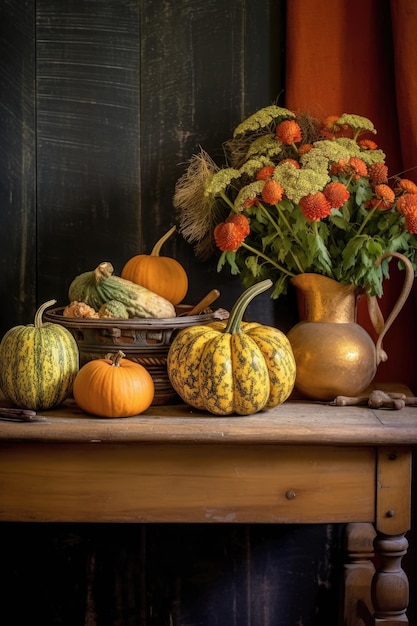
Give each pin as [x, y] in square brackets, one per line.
[360, 56]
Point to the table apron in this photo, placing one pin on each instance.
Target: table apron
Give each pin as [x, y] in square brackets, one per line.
[139, 482]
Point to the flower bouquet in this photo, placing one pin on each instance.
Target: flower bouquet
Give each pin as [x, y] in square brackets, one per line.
[296, 194]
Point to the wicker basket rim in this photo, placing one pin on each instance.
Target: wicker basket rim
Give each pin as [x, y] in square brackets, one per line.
[55, 316]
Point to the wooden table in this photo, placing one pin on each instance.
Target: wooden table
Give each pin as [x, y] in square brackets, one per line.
[302, 462]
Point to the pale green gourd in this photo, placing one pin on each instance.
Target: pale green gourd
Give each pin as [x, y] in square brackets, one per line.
[113, 309]
[100, 286]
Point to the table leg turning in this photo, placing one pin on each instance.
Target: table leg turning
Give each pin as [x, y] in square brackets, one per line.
[390, 591]
[358, 574]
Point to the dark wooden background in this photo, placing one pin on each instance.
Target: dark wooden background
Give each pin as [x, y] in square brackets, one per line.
[102, 102]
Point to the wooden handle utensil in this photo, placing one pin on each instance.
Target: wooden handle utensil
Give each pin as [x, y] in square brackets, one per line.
[204, 303]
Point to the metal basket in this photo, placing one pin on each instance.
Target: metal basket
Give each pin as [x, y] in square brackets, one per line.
[144, 341]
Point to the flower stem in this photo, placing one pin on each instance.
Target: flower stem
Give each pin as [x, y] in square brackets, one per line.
[271, 219]
[367, 218]
[287, 224]
[227, 201]
[268, 259]
[297, 262]
[281, 235]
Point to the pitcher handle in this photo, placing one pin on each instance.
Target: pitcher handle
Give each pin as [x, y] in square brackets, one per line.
[381, 355]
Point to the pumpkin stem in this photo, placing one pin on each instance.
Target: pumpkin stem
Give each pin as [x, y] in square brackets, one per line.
[236, 314]
[157, 247]
[39, 313]
[116, 358]
[102, 271]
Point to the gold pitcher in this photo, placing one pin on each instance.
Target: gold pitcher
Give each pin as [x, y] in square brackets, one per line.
[333, 353]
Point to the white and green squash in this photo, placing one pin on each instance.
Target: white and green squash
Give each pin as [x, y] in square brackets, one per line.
[99, 286]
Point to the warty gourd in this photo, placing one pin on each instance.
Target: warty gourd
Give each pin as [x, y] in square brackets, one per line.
[100, 286]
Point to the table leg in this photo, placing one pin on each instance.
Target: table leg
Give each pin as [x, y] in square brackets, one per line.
[390, 589]
[359, 570]
[393, 507]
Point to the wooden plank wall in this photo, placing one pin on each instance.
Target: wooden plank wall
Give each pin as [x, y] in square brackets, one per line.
[17, 163]
[103, 102]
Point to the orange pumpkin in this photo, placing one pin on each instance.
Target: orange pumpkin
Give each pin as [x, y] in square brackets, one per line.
[114, 387]
[163, 275]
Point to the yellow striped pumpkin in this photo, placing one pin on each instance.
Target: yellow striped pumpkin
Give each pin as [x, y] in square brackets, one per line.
[38, 363]
[232, 367]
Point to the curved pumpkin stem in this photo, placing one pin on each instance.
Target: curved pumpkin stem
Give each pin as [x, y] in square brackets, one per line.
[157, 247]
[236, 314]
[116, 358]
[39, 313]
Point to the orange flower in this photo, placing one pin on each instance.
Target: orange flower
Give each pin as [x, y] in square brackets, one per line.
[407, 204]
[385, 193]
[228, 236]
[338, 168]
[306, 147]
[378, 173]
[272, 192]
[358, 166]
[355, 167]
[332, 130]
[315, 206]
[288, 132]
[367, 144]
[337, 194]
[406, 185]
[265, 172]
[330, 125]
[241, 222]
[250, 202]
[411, 223]
[384, 198]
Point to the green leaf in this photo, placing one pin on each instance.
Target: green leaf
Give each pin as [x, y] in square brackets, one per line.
[230, 258]
[324, 256]
[270, 237]
[374, 248]
[252, 263]
[280, 287]
[352, 249]
[340, 222]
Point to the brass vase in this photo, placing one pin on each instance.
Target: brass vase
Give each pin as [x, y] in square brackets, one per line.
[335, 355]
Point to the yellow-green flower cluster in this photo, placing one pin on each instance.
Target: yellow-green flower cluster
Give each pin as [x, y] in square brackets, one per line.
[300, 182]
[262, 119]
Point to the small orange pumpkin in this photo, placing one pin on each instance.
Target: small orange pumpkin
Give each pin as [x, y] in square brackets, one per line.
[114, 387]
[163, 275]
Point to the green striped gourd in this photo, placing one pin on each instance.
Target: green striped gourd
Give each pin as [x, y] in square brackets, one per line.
[38, 363]
[232, 367]
[100, 286]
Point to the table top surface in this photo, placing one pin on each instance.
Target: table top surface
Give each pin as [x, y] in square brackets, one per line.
[294, 422]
